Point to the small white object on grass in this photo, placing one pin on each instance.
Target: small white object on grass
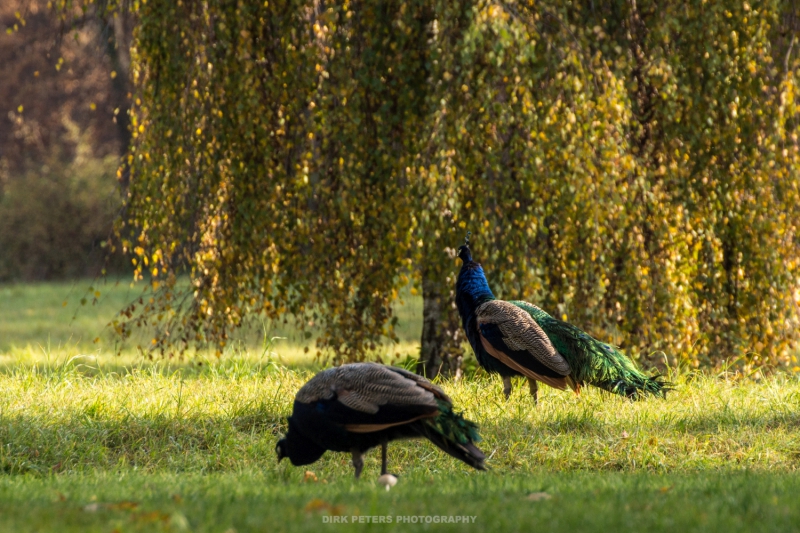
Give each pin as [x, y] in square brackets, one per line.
[387, 480]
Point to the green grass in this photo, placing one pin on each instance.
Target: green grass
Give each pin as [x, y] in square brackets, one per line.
[265, 501]
[93, 442]
[38, 319]
[35, 315]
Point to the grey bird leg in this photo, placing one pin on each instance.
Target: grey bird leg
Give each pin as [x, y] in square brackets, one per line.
[507, 387]
[534, 390]
[358, 461]
[383, 457]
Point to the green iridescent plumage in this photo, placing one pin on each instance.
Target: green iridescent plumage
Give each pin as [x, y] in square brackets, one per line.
[594, 362]
[453, 426]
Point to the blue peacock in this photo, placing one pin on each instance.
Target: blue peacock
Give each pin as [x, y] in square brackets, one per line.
[517, 338]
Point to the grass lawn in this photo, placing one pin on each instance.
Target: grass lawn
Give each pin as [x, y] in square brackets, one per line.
[38, 320]
[265, 501]
[95, 442]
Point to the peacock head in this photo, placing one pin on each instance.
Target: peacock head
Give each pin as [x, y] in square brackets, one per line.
[281, 449]
[464, 251]
[299, 449]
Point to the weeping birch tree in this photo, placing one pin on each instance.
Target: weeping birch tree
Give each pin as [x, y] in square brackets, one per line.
[630, 165]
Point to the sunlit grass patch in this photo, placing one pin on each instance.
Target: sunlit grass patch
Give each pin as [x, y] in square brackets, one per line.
[228, 414]
[91, 441]
[46, 322]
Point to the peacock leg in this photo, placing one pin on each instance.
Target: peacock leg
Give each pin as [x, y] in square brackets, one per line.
[358, 461]
[534, 390]
[507, 387]
[383, 457]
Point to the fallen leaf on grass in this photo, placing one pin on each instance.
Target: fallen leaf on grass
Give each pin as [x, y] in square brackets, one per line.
[538, 496]
[318, 505]
[665, 489]
[124, 506]
[309, 476]
[152, 516]
[113, 506]
[336, 510]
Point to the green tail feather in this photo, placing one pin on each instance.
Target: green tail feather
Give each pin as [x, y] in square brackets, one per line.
[595, 362]
[455, 435]
[453, 426]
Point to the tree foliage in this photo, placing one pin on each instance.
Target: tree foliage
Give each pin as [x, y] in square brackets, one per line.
[634, 166]
[631, 165]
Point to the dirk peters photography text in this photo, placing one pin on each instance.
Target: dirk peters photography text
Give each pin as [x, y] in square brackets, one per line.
[399, 519]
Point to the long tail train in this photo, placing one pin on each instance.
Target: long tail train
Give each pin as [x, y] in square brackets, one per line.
[454, 435]
[594, 362]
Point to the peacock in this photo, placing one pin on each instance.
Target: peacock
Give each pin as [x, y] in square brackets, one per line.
[517, 338]
[355, 407]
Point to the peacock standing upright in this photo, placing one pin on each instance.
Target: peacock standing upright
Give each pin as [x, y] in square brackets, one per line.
[517, 338]
[355, 407]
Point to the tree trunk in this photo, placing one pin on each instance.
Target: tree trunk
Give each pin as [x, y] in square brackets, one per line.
[430, 357]
[116, 34]
[439, 351]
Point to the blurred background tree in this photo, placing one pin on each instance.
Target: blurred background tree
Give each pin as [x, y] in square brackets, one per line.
[630, 165]
[63, 128]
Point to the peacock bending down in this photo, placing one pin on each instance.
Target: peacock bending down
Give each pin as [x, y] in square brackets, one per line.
[355, 407]
[516, 338]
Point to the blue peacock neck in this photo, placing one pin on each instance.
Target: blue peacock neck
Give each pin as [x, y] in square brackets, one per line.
[472, 289]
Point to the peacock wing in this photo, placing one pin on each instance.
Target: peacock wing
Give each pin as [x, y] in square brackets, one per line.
[511, 335]
[567, 339]
[424, 383]
[367, 397]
